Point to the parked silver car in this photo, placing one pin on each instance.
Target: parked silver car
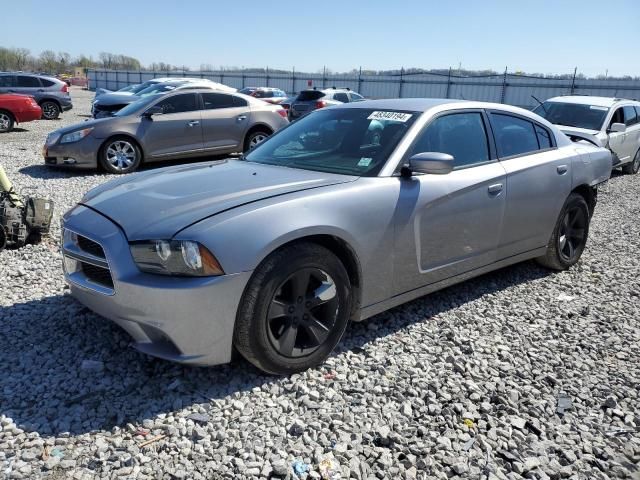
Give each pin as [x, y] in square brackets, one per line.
[613, 123]
[183, 123]
[318, 225]
[312, 99]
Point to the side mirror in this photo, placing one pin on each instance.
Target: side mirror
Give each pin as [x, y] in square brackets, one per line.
[435, 163]
[618, 127]
[155, 110]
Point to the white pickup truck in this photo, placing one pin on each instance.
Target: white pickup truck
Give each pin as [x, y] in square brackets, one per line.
[613, 123]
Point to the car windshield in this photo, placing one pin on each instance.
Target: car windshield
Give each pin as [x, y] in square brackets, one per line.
[573, 114]
[348, 141]
[134, 106]
[155, 89]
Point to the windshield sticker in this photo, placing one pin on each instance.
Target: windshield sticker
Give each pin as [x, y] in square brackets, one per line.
[392, 116]
[364, 162]
[596, 107]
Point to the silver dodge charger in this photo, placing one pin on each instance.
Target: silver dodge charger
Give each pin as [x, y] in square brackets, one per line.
[341, 215]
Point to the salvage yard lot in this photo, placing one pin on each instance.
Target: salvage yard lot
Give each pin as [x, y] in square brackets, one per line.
[463, 383]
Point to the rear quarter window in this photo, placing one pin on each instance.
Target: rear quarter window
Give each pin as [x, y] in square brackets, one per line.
[47, 83]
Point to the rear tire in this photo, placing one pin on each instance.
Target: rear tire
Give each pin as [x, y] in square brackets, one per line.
[294, 310]
[633, 167]
[255, 138]
[50, 110]
[120, 155]
[569, 236]
[7, 121]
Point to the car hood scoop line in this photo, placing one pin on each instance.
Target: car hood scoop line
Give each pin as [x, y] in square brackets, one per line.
[158, 204]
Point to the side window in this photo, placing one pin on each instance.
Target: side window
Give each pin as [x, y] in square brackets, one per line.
[47, 83]
[462, 135]
[618, 117]
[341, 97]
[239, 102]
[7, 81]
[179, 103]
[216, 100]
[28, 82]
[514, 136]
[630, 117]
[638, 114]
[544, 137]
[355, 97]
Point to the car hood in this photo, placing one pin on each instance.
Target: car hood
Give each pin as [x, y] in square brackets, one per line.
[157, 204]
[592, 136]
[116, 98]
[78, 126]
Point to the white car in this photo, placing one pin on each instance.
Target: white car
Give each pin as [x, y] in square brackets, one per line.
[613, 123]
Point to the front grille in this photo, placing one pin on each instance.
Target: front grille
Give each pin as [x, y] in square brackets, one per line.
[86, 263]
[98, 275]
[90, 246]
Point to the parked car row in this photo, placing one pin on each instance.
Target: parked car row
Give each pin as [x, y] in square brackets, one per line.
[51, 94]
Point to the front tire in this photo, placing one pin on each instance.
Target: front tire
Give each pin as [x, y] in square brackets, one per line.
[50, 110]
[120, 155]
[6, 122]
[294, 310]
[569, 236]
[633, 167]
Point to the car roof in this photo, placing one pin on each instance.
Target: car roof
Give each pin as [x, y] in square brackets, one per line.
[588, 100]
[411, 104]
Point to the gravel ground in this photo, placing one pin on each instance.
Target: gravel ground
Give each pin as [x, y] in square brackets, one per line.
[519, 373]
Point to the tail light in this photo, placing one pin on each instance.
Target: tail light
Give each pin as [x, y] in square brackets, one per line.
[285, 106]
[321, 104]
[65, 88]
[282, 112]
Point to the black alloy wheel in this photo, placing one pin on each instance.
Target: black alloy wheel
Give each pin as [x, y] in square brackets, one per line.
[302, 313]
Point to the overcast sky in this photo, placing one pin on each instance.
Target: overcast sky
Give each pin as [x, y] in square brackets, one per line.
[542, 36]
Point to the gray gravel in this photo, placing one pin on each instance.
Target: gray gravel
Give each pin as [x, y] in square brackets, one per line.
[518, 374]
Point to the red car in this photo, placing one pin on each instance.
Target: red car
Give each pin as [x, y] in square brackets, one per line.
[16, 108]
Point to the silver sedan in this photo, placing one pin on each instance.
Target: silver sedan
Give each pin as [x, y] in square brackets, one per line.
[346, 213]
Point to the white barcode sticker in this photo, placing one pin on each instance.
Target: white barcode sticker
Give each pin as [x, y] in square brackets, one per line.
[392, 116]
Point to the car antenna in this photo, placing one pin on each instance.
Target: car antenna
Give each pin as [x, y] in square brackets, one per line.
[541, 104]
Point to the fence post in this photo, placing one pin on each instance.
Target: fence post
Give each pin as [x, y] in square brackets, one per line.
[293, 80]
[324, 77]
[140, 76]
[221, 74]
[573, 81]
[243, 77]
[448, 84]
[504, 86]
[360, 80]
[401, 82]
[267, 71]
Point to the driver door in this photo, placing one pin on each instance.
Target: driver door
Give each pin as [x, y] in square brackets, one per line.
[450, 224]
[618, 140]
[177, 131]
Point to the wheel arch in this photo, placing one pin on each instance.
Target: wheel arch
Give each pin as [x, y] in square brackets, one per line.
[258, 126]
[590, 195]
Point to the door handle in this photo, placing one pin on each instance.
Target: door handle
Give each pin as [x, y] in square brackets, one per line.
[495, 189]
[242, 117]
[562, 169]
[193, 123]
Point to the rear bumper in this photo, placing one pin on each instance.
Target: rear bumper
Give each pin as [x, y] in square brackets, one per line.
[186, 320]
[29, 115]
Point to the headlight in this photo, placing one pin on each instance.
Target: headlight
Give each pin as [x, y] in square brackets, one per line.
[175, 257]
[75, 136]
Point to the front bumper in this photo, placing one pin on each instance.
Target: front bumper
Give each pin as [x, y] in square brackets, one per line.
[186, 320]
[81, 154]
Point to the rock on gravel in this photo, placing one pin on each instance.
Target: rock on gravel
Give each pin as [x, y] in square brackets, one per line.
[402, 397]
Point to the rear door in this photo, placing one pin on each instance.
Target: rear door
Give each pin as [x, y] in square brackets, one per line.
[450, 224]
[538, 182]
[225, 120]
[177, 131]
[28, 85]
